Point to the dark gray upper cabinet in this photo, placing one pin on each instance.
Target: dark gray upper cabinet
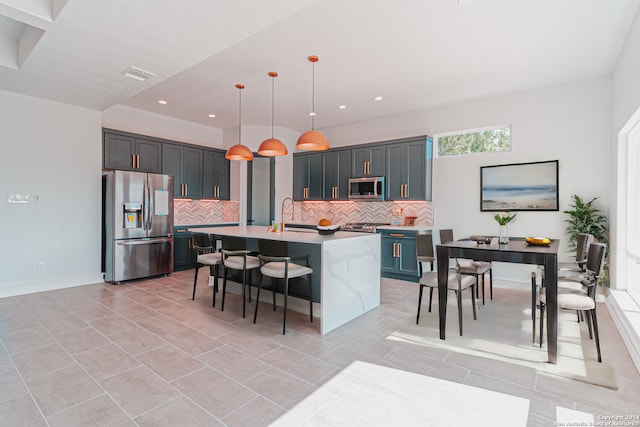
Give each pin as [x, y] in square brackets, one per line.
[406, 170]
[127, 152]
[368, 161]
[307, 176]
[336, 169]
[215, 175]
[185, 164]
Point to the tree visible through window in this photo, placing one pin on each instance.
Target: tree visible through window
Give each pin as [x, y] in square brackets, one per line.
[480, 141]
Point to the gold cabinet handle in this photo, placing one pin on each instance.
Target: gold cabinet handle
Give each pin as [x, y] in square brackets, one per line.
[396, 234]
[399, 250]
[133, 161]
[138, 161]
[186, 189]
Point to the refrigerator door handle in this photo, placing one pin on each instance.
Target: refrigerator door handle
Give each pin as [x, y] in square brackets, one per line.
[137, 242]
[145, 201]
[151, 208]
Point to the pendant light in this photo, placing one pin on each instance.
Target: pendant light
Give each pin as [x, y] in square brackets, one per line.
[239, 151]
[313, 140]
[272, 147]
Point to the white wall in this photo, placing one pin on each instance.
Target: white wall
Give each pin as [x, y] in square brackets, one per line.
[625, 102]
[144, 123]
[51, 150]
[569, 122]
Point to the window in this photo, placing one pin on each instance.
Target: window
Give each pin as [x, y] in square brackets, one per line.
[474, 141]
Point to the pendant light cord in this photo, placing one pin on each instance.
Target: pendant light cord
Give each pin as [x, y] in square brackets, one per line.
[240, 115]
[273, 84]
[313, 95]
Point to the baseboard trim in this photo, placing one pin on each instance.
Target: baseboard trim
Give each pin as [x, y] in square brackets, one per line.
[616, 302]
[15, 289]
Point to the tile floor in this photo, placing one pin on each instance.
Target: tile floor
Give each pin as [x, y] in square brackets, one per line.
[144, 354]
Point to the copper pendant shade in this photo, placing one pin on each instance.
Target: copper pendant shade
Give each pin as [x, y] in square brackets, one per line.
[239, 151]
[272, 147]
[313, 140]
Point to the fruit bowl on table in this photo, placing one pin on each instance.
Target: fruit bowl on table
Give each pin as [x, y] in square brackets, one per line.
[326, 230]
[538, 241]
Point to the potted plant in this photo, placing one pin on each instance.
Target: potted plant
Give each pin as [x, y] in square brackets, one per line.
[585, 217]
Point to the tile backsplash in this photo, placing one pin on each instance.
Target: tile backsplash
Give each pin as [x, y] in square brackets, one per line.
[343, 212]
[194, 212]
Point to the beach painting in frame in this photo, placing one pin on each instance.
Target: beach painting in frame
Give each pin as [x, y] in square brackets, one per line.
[520, 187]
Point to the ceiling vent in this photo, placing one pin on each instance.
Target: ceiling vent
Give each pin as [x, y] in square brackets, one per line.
[138, 74]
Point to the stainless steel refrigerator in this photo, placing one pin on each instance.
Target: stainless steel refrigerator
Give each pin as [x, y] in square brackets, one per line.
[137, 225]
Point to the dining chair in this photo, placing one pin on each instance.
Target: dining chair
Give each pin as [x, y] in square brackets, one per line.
[579, 300]
[425, 250]
[236, 257]
[456, 282]
[471, 267]
[206, 255]
[281, 267]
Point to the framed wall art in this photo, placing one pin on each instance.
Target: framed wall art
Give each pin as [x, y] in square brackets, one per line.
[519, 187]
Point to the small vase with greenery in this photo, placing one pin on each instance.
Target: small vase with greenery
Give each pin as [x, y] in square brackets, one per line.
[503, 218]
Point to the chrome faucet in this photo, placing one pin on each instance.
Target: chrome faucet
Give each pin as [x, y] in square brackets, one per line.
[283, 211]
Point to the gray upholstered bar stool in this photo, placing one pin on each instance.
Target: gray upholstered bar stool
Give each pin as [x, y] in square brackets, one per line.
[281, 267]
[235, 257]
[206, 256]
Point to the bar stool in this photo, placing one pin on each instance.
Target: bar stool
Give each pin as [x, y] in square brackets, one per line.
[206, 255]
[235, 257]
[281, 267]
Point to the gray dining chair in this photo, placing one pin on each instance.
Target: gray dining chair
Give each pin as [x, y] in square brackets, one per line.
[456, 282]
[473, 268]
[580, 300]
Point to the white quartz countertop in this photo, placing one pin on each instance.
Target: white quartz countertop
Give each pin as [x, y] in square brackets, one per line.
[299, 235]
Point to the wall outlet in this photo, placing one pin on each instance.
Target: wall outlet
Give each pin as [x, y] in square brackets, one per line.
[41, 266]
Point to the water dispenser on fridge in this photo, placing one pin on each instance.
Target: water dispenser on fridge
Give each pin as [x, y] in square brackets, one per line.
[132, 215]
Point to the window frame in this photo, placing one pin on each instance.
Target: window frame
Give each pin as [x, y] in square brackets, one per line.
[436, 140]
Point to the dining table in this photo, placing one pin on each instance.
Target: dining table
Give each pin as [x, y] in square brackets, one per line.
[516, 251]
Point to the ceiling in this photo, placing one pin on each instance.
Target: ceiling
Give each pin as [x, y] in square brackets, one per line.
[414, 53]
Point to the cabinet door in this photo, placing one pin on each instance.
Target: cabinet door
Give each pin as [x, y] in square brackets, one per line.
[223, 166]
[359, 158]
[149, 155]
[416, 170]
[368, 161]
[300, 177]
[184, 256]
[387, 254]
[408, 256]
[396, 175]
[377, 158]
[315, 176]
[215, 175]
[172, 165]
[307, 177]
[336, 166]
[406, 165]
[117, 152]
[192, 172]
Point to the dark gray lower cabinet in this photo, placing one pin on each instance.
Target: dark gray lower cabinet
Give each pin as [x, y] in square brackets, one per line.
[183, 256]
[399, 255]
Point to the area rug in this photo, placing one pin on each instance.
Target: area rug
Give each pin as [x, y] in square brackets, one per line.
[503, 332]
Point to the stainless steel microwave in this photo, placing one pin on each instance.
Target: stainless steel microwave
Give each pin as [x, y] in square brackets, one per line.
[369, 188]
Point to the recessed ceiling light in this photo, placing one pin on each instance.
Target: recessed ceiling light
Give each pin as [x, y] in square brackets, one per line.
[377, 98]
[213, 116]
[342, 107]
[312, 114]
[163, 102]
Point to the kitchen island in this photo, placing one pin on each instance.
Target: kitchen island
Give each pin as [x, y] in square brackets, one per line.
[346, 267]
